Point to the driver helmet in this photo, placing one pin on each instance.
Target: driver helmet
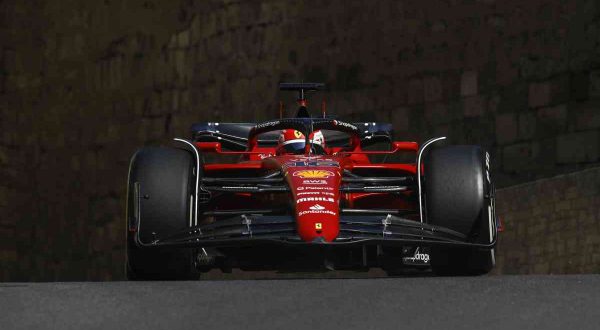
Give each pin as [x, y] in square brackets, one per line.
[293, 142]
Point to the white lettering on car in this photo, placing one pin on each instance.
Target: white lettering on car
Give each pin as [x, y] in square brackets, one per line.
[308, 192]
[418, 257]
[309, 182]
[267, 124]
[345, 124]
[315, 193]
[314, 188]
[314, 199]
[317, 212]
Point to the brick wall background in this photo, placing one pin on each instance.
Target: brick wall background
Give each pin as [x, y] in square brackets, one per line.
[84, 83]
[552, 225]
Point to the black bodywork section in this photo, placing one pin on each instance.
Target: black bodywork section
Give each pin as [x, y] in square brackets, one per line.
[253, 229]
[234, 136]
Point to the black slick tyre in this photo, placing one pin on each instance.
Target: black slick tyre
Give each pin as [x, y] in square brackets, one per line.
[459, 196]
[160, 189]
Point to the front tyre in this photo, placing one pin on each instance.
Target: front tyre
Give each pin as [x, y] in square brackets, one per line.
[459, 195]
[160, 191]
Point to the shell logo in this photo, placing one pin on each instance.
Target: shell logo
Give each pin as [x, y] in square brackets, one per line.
[313, 174]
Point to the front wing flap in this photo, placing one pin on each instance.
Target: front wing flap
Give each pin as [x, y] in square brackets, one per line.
[251, 229]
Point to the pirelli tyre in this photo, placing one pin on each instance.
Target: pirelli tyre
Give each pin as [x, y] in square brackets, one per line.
[160, 192]
[459, 195]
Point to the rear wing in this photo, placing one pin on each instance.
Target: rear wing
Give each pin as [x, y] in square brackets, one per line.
[234, 136]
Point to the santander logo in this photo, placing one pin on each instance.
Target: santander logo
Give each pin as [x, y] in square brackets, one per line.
[316, 209]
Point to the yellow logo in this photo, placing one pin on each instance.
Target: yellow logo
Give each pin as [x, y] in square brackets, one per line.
[318, 226]
[297, 134]
[313, 174]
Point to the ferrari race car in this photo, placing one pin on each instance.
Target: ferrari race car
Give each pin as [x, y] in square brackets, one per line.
[308, 194]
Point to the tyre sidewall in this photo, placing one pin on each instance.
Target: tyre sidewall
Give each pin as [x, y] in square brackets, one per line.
[165, 177]
[459, 196]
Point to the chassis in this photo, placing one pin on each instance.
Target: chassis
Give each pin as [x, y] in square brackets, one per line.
[347, 206]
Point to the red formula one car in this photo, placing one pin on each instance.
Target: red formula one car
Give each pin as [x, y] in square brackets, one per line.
[308, 193]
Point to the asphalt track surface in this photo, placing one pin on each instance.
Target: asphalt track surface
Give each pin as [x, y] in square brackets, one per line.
[492, 302]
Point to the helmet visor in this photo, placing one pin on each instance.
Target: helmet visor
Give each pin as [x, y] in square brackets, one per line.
[298, 148]
[293, 147]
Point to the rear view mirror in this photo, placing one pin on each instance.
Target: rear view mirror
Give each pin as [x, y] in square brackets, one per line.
[209, 146]
[405, 146]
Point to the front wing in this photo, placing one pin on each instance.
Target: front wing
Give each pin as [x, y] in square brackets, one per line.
[253, 229]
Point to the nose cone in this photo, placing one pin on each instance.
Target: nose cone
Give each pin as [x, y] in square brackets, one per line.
[316, 198]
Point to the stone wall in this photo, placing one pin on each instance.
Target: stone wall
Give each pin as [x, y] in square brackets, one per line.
[84, 83]
[551, 225]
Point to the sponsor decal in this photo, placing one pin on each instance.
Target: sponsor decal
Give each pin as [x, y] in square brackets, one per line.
[316, 207]
[308, 192]
[314, 193]
[316, 212]
[314, 188]
[417, 258]
[314, 199]
[267, 124]
[318, 226]
[309, 182]
[301, 160]
[344, 124]
[263, 156]
[313, 174]
[297, 134]
[313, 161]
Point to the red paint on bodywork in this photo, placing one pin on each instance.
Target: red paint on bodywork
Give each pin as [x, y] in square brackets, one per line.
[315, 181]
[314, 184]
[244, 165]
[412, 168]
